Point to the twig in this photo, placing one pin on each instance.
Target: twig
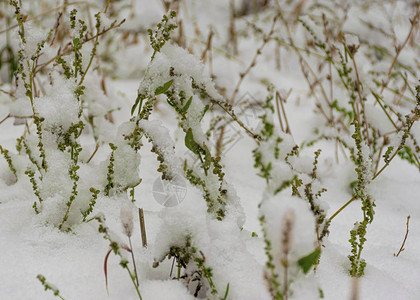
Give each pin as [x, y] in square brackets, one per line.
[341, 208]
[44, 13]
[355, 288]
[208, 50]
[172, 268]
[208, 45]
[359, 92]
[378, 98]
[70, 50]
[93, 154]
[405, 238]
[6, 92]
[230, 112]
[278, 113]
[107, 5]
[134, 261]
[142, 228]
[379, 157]
[400, 48]
[281, 100]
[232, 31]
[266, 39]
[8, 116]
[302, 59]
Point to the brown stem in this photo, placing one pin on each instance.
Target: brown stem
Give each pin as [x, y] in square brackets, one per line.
[341, 208]
[8, 116]
[278, 113]
[142, 228]
[405, 238]
[93, 154]
[281, 100]
[266, 39]
[359, 93]
[134, 261]
[232, 31]
[399, 49]
[44, 13]
[69, 50]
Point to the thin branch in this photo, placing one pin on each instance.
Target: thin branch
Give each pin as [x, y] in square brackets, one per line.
[6, 92]
[281, 100]
[254, 61]
[399, 49]
[142, 228]
[8, 116]
[256, 137]
[44, 13]
[359, 92]
[341, 208]
[93, 154]
[134, 261]
[405, 238]
[70, 50]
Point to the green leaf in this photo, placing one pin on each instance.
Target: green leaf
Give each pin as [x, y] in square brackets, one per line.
[186, 106]
[309, 260]
[76, 42]
[407, 154]
[207, 158]
[206, 108]
[191, 143]
[353, 184]
[164, 88]
[226, 293]
[135, 104]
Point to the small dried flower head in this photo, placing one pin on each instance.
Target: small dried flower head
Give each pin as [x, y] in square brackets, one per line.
[289, 221]
[126, 216]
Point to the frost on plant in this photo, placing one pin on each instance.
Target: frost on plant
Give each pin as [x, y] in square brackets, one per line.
[291, 215]
[179, 75]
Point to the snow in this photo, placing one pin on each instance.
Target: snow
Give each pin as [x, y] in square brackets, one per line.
[59, 108]
[235, 248]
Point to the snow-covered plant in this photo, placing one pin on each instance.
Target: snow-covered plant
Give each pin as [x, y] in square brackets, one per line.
[292, 216]
[7, 157]
[116, 246]
[345, 73]
[49, 286]
[363, 104]
[179, 76]
[54, 150]
[196, 270]
[364, 172]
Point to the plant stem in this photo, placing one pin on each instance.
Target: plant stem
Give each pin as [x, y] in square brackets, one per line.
[179, 269]
[341, 208]
[142, 228]
[405, 238]
[132, 279]
[134, 262]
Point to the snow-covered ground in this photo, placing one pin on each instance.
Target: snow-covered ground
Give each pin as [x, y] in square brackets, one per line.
[234, 249]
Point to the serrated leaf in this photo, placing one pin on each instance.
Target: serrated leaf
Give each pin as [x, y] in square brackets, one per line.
[162, 89]
[186, 106]
[309, 260]
[191, 143]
